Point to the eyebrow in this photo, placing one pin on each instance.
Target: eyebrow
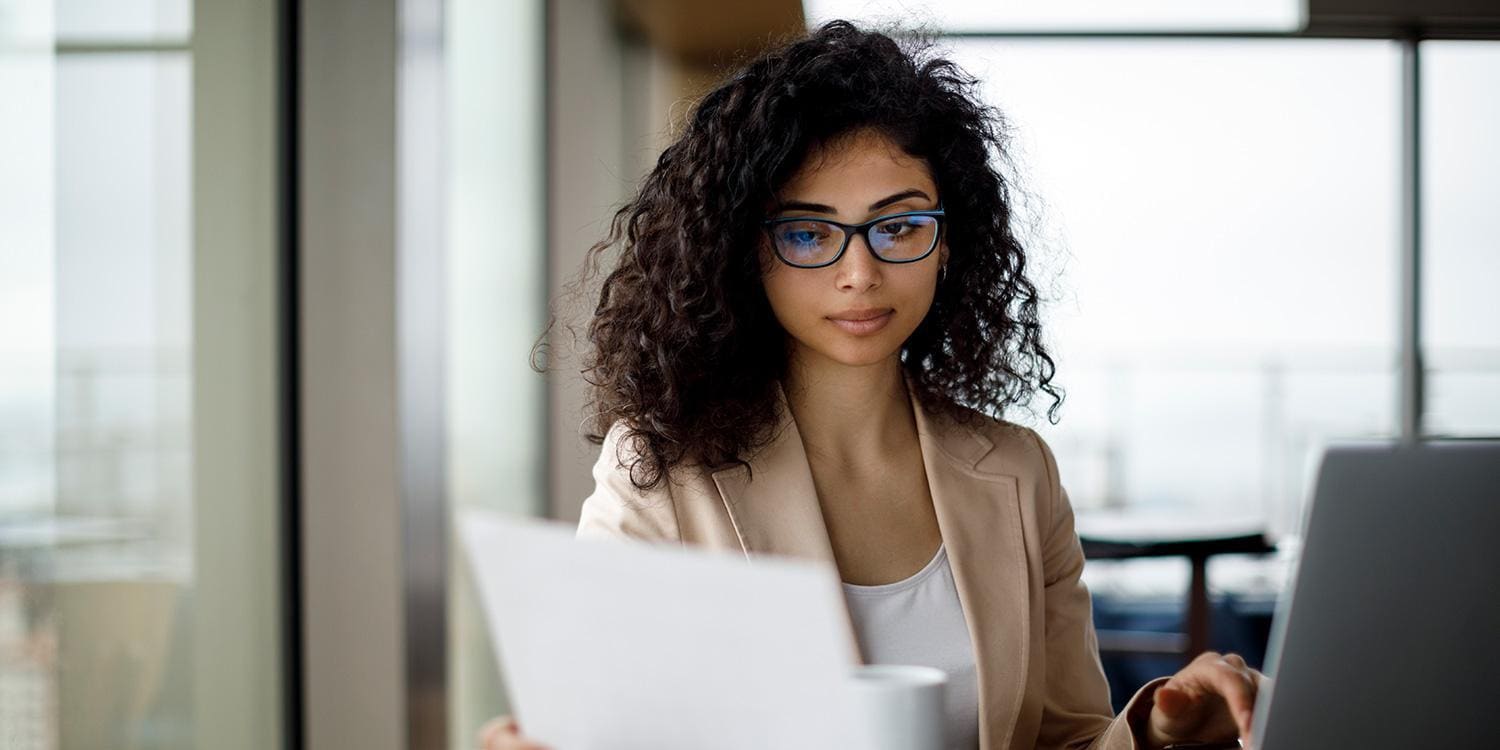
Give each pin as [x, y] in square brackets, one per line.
[819, 208]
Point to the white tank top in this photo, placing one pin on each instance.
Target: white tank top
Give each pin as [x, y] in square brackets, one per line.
[920, 621]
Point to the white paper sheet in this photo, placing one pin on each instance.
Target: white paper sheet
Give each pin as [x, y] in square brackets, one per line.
[612, 644]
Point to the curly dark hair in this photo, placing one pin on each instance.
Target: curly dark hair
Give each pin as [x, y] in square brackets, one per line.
[686, 351]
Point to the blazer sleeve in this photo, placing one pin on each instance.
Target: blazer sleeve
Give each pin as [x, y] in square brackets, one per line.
[1076, 709]
[617, 508]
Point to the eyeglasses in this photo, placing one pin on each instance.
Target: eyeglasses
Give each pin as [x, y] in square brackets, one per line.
[897, 238]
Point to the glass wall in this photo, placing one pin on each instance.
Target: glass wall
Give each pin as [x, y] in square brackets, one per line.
[1216, 223]
[132, 551]
[28, 380]
[496, 300]
[1461, 237]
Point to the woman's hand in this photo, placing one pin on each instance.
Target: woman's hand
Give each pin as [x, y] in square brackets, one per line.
[503, 733]
[1210, 700]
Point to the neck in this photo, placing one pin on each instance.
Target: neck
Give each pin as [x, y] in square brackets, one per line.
[850, 415]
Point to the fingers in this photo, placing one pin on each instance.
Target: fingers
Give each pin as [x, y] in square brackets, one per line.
[1212, 698]
[1172, 701]
[1235, 682]
[491, 732]
[503, 733]
[489, 729]
[1180, 712]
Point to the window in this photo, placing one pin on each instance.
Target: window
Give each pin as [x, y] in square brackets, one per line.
[1217, 222]
[1461, 237]
[496, 298]
[140, 569]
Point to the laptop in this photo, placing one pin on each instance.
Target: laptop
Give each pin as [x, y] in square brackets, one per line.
[1389, 636]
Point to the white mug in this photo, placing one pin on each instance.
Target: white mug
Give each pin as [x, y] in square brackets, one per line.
[898, 706]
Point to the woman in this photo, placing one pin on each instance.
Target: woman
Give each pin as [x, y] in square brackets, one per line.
[818, 302]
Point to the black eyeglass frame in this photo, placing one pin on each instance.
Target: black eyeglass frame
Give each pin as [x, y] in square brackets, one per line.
[856, 230]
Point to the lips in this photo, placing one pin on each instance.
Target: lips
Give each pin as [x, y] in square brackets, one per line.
[862, 322]
[856, 316]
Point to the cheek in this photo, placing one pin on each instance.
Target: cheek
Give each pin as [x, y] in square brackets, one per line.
[914, 290]
[789, 295]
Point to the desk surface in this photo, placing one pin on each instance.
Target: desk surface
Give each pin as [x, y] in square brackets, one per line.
[1116, 535]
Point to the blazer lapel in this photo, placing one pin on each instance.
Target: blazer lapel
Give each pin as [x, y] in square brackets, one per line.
[774, 504]
[979, 517]
[774, 508]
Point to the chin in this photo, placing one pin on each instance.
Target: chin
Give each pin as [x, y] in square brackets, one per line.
[860, 353]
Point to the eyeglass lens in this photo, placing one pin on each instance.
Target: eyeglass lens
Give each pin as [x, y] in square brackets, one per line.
[810, 242]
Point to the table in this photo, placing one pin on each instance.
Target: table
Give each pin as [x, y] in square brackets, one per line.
[1116, 535]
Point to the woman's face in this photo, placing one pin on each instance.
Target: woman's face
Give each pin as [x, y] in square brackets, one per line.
[859, 310]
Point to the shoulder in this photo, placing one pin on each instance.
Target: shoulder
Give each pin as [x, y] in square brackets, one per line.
[1015, 449]
[618, 507]
[621, 452]
[1020, 452]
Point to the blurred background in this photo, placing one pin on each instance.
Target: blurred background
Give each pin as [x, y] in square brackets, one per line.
[270, 273]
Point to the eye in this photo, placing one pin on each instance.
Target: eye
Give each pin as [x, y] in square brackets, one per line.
[806, 233]
[897, 227]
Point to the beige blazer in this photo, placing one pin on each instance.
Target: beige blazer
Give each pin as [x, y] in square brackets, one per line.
[1008, 528]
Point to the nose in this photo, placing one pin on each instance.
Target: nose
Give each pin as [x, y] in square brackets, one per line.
[858, 269]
